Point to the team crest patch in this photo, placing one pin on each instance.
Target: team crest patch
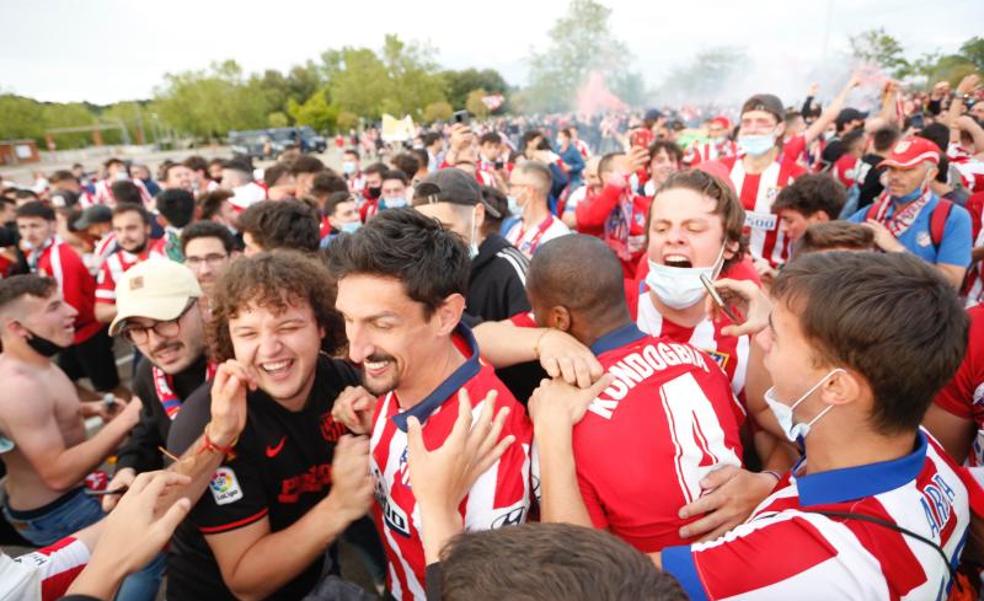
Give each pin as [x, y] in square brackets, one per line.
[136, 283]
[225, 487]
[720, 358]
[902, 147]
[923, 239]
[771, 194]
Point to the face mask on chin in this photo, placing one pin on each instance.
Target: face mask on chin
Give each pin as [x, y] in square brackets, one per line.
[784, 412]
[680, 287]
[43, 346]
[756, 145]
[372, 193]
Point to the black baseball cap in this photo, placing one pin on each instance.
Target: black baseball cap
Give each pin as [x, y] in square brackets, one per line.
[93, 215]
[450, 185]
[847, 115]
[769, 103]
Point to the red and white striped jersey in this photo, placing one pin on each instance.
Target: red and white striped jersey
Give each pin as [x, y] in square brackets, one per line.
[729, 352]
[788, 550]
[701, 152]
[963, 396]
[528, 239]
[104, 193]
[500, 497]
[582, 147]
[114, 267]
[757, 193]
[971, 169]
[671, 410]
[45, 574]
[59, 261]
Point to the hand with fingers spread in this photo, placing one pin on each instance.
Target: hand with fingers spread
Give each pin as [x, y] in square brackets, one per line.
[232, 381]
[562, 355]
[446, 474]
[884, 238]
[749, 299]
[730, 495]
[354, 408]
[441, 478]
[118, 552]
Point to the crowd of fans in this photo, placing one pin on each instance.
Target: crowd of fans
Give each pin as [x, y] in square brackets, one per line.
[728, 354]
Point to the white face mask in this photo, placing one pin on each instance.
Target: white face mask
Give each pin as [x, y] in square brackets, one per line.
[680, 287]
[784, 412]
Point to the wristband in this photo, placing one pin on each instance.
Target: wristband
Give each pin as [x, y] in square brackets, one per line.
[209, 445]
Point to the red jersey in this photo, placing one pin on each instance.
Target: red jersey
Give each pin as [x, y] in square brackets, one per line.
[789, 549]
[115, 265]
[845, 169]
[757, 193]
[500, 497]
[963, 396]
[700, 152]
[971, 169]
[620, 217]
[59, 261]
[671, 410]
[729, 352]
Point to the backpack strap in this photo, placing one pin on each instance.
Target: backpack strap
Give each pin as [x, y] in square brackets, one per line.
[937, 221]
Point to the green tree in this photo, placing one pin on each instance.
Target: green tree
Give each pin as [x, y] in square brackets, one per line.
[413, 73]
[437, 111]
[876, 46]
[973, 51]
[71, 115]
[475, 105]
[315, 111]
[20, 118]
[277, 119]
[358, 81]
[347, 121]
[457, 84]
[579, 42]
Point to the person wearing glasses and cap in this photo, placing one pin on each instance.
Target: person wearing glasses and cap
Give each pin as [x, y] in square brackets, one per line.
[159, 312]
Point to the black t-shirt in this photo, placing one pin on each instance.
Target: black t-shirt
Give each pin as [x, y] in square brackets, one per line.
[280, 469]
[141, 450]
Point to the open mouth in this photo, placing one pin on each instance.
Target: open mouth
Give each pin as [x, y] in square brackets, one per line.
[167, 354]
[374, 369]
[277, 368]
[677, 261]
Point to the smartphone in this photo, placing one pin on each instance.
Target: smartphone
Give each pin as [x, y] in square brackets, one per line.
[498, 165]
[712, 291]
[102, 493]
[641, 137]
[460, 117]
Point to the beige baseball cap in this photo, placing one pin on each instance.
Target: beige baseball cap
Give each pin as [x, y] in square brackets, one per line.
[157, 288]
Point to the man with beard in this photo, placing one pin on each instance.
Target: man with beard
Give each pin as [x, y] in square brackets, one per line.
[292, 483]
[161, 315]
[402, 280]
[131, 231]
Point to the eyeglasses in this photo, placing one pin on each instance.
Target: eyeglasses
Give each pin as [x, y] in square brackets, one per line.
[211, 260]
[138, 334]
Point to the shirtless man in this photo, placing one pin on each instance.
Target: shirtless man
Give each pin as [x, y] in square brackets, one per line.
[40, 414]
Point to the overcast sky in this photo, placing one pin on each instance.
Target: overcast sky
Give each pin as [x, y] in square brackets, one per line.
[103, 51]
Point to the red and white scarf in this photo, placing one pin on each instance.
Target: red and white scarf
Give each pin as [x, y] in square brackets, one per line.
[900, 220]
[164, 387]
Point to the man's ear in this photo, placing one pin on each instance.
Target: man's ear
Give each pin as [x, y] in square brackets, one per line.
[731, 249]
[781, 129]
[449, 313]
[844, 387]
[558, 317]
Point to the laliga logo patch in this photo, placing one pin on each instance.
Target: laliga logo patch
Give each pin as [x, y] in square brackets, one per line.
[225, 487]
[902, 147]
[772, 193]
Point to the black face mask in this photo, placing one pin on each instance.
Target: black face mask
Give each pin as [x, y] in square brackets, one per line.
[374, 192]
[43, 346]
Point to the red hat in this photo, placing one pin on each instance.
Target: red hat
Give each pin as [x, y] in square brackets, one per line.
[911, 151]
[722, 121]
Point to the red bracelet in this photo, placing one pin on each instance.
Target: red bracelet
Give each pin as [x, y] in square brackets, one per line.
[209, 445]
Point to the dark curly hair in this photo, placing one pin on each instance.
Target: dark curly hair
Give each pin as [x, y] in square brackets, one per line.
[273, 280]
[430, 261]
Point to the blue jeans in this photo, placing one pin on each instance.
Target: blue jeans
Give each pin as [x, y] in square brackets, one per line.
[69, 514]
